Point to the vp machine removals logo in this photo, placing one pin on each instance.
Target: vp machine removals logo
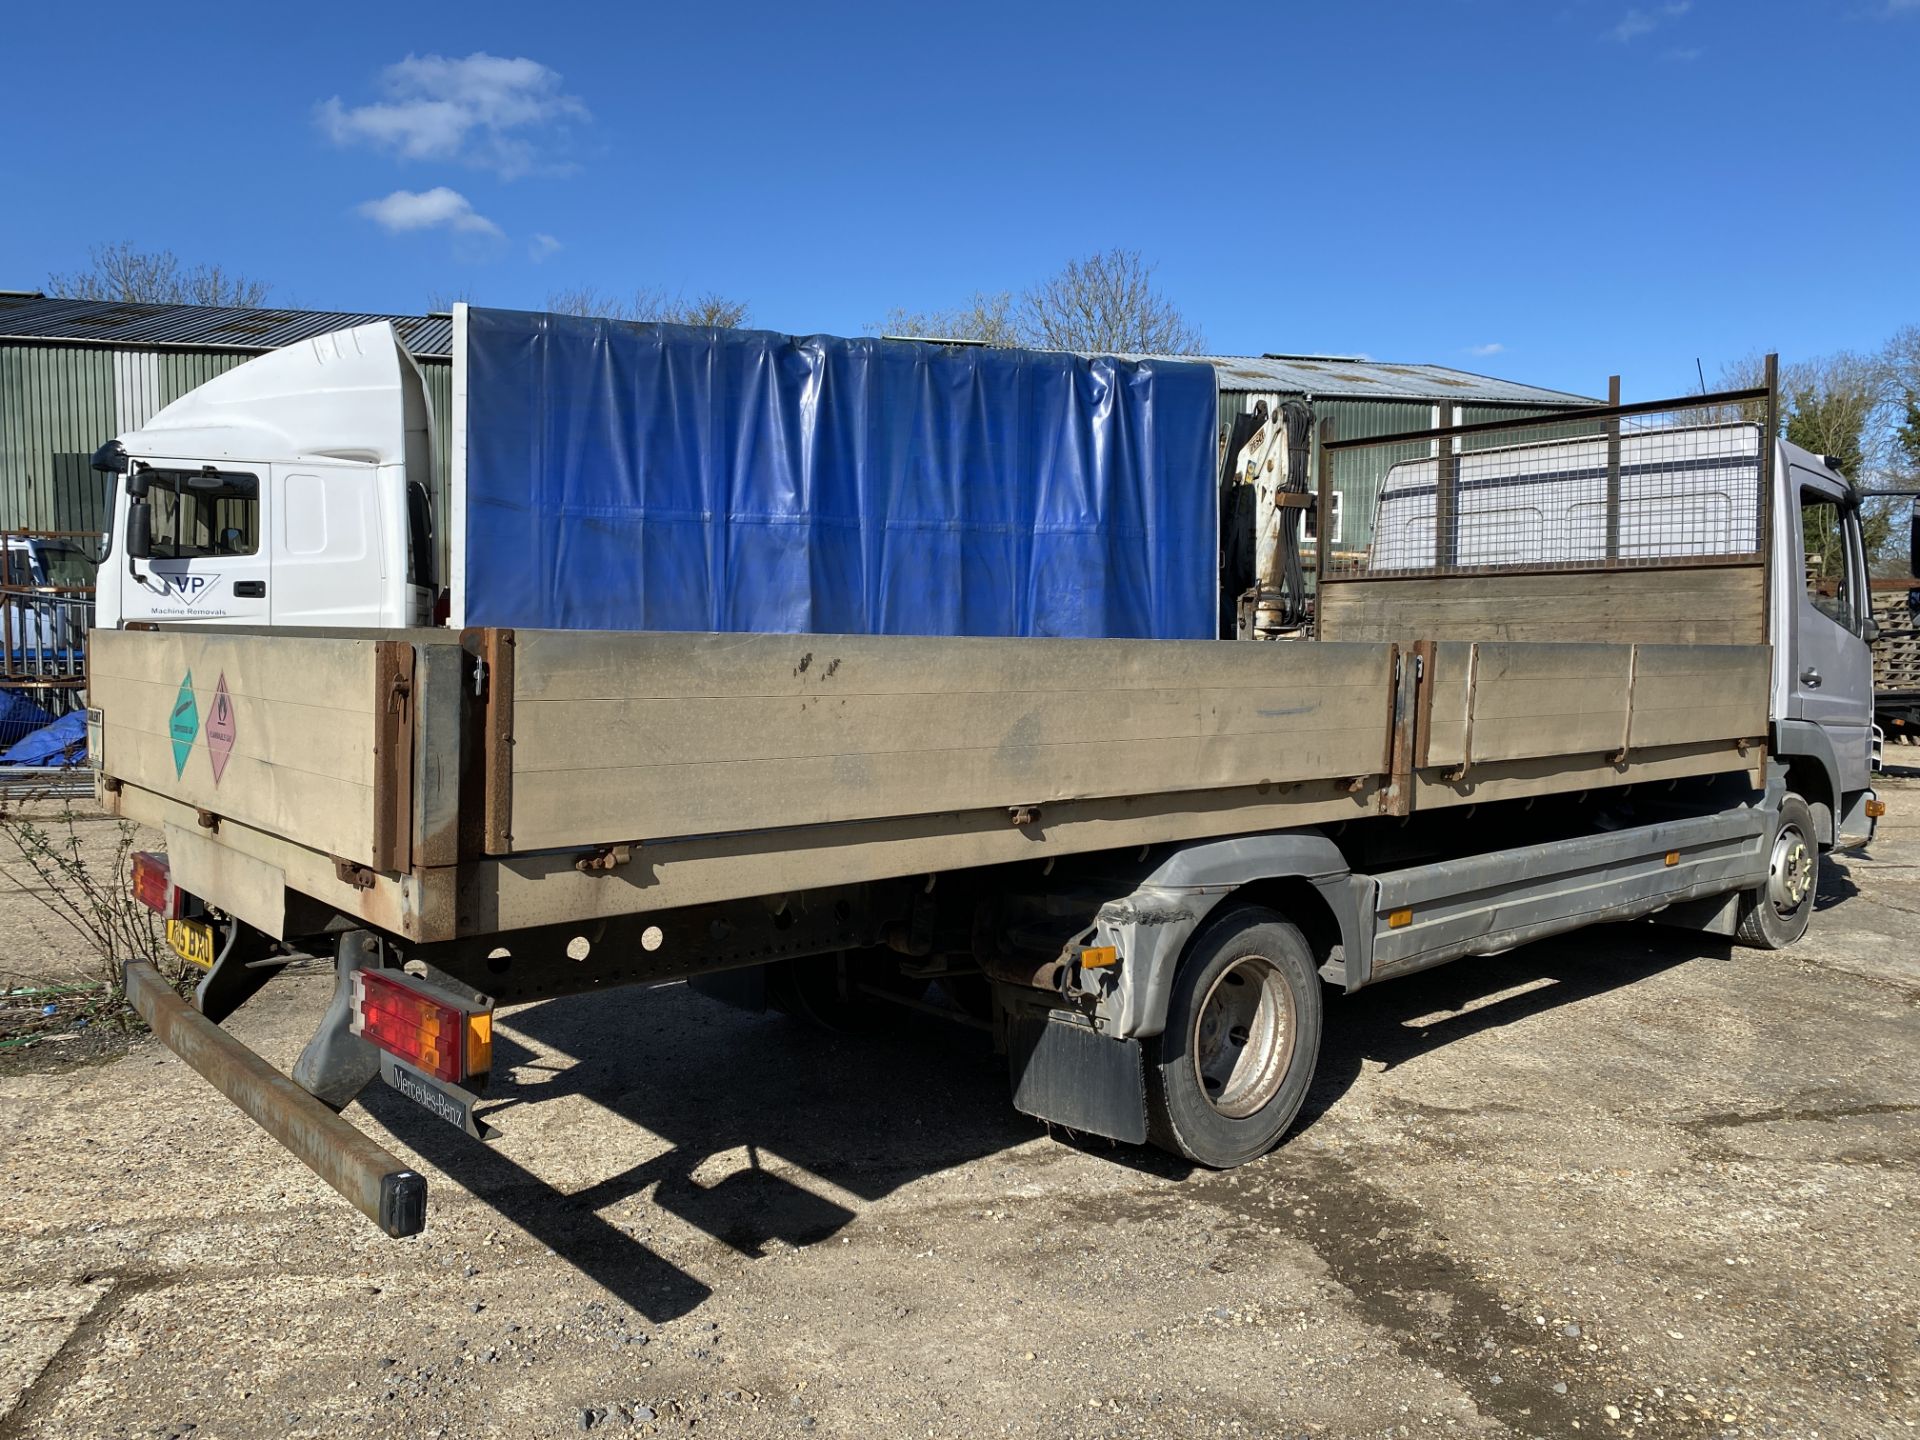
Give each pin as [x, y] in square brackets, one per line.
[189, 585]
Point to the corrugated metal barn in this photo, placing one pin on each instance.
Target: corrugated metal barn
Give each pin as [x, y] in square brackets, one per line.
[76, 373]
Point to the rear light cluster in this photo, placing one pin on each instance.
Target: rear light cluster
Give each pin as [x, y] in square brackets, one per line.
[153, 885]
[446, 1038]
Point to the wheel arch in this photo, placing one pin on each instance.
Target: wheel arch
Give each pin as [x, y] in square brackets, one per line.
[1813, 771]
[1300, 875]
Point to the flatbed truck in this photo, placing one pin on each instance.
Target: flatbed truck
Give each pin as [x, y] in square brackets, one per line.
[1144, 864]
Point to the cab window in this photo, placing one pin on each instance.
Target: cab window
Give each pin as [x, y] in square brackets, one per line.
[200, 513]
[1829, 577]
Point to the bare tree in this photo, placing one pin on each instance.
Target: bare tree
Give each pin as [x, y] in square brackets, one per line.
[1106, 303]
[653, 306]
[120, 272]
[1903, 381]
[1835, 405]
[1844, 406]
[986, 319]
[441, 302]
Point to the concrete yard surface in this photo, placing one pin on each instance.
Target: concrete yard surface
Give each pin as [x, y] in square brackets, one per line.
[1633, 1183]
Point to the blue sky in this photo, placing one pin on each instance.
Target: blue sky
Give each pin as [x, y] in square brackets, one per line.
[1544, 191]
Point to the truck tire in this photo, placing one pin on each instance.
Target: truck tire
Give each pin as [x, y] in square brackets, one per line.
[1776, 912]
[1227, 1076]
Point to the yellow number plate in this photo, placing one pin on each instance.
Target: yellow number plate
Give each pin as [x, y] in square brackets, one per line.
[192, 942]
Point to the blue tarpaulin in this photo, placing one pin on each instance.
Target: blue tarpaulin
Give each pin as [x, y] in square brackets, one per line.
[18, 715]
[663, 477]
[64, 742]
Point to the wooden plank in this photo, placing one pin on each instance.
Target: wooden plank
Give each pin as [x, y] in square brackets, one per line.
[1564, 774]
[301, 760]
[637, 737]
[527, 890]
[1450, 720]
[1533, 700]
[1687, 693]
[498, 651]
[308, 871]
[393, 755]
[1710, 605]
[439, 753]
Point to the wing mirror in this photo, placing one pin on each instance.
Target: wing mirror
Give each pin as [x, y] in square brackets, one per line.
[139, 517]
[139, 528]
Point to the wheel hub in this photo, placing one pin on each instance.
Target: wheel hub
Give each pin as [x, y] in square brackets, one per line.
[1244, 1036]
[1790, 871]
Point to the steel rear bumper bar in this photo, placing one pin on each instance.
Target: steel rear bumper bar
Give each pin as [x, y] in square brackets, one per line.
[373, 1181]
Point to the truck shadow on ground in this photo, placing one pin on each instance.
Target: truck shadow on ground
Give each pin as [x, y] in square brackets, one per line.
[735, 1113]
[1399, 1022]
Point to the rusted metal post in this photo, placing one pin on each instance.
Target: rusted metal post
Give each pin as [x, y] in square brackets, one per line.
[1613, 471]
[373, 1181]
[1446, 540]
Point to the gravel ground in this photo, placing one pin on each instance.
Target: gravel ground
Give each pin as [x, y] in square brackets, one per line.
[1635, 1183]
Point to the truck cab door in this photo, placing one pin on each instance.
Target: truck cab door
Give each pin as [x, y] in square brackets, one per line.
[1831, 668]
[330, 564]
[209, 558]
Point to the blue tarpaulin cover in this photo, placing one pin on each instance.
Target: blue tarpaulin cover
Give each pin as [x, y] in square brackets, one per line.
[64, 742]
[663, 477]
[18, 715]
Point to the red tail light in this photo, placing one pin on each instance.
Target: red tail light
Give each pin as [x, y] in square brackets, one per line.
[447, 1038]
[153, 884]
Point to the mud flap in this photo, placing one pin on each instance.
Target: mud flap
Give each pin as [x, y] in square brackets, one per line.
[337, 1064]
[1067, 1073]
[243, 967]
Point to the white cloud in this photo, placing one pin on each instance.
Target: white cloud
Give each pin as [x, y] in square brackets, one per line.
[485, 110]
[1903, 7]
[542, 247]
[1684, 56]
[426, 210]
[1492, 347]
[1637, 22]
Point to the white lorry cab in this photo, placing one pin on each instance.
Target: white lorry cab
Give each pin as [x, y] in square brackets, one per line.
[293, 490]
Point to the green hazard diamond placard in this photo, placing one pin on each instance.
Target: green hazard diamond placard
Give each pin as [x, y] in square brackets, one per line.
[184, 725]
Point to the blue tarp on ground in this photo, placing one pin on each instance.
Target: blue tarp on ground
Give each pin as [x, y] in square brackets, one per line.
[64, 742]
[19, 716]
[665, 477]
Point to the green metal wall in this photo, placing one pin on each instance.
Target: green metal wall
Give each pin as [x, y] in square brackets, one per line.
[59, 403]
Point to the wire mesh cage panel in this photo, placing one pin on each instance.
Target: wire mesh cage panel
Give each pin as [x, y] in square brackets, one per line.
[1660, 484]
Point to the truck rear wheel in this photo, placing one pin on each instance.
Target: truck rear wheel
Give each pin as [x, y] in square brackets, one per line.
[1776, 912]
[1232, 1068]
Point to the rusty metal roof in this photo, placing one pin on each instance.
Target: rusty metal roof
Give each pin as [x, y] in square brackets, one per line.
[201, 327]
[1340, 377]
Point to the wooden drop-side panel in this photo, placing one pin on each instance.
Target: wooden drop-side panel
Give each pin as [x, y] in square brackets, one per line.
[302, 759]
[636, 737]
[1533, 700]
[1687, 693]
[1500, 702]
[1682, 605]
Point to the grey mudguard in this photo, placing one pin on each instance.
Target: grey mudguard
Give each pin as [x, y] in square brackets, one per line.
[1804, 740]
[1151, 927]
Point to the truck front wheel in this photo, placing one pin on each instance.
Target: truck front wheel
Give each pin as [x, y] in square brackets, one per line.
[1776, 912]
[1232, 1068]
